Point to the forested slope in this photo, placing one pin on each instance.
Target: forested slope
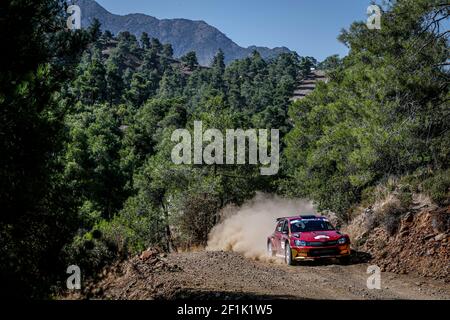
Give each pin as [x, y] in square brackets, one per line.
[86, 172]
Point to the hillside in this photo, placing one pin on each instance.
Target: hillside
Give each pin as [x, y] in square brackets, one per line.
[405, 239]
[184, 35]
[97, 129]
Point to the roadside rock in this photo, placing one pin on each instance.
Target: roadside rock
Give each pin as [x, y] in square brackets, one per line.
[417, 248]
[150, 253]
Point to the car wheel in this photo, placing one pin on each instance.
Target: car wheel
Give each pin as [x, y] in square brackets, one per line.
[288, 255]
[270, 251]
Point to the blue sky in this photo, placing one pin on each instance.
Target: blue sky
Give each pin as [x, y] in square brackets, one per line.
[309, 27]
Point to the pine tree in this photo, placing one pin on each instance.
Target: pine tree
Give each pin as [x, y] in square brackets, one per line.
[114, 81]
[38, 215]
[217, 72]
[156, 45]
[190, 60]
[145, 41]
[91, 86]
[94, 30]
[167, 50]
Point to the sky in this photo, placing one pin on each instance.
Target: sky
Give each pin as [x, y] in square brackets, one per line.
[309, 27]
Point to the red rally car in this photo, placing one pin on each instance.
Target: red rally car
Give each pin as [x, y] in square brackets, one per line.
[307, 238]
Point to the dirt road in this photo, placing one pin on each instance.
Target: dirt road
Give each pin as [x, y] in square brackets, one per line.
[229, 275]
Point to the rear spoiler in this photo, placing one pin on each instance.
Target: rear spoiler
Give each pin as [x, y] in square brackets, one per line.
[310, 217]
[302, 217]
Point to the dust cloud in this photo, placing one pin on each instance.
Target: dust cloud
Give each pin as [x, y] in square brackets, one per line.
[245, 229]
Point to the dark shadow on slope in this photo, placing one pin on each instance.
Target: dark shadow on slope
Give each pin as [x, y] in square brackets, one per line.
[213, 295]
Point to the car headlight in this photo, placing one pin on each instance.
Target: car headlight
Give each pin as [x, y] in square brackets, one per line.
[342, 241]
[300, 243]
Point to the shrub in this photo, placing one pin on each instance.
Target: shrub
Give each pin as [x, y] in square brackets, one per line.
[405, 195]
[438, 187]
[195, 219]
[387, 213]
[368, 196]
[88, 253]
[89, 214]
[137, 227]
[134, 229]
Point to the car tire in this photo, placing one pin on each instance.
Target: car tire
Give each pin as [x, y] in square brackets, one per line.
[270, 251]
[288, 255]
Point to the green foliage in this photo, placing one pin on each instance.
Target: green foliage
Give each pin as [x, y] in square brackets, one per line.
[88, 176]
[167, 50]
[88, 253]
[137, 227]
[91, 86]
[93, 167]
[330, 63]
[438, 187]
[381, 114]
[145, 40]
[190, 60]
[38, 56]
[118, 153]
[306, 64]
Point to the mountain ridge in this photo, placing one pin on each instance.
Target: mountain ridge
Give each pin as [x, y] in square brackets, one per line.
[183, 34]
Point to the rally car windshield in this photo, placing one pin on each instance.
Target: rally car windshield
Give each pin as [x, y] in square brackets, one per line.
[310, 225]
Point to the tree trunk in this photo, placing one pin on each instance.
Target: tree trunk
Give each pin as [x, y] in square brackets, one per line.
[169, 240]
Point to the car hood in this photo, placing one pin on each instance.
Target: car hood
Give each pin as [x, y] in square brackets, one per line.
[318, 235]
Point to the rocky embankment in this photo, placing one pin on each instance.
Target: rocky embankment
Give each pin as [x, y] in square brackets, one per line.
[418, 243]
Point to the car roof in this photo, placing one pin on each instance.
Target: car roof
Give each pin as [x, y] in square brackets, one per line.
[300, 217]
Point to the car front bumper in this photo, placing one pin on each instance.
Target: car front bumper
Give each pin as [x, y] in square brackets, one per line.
[312, 253]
